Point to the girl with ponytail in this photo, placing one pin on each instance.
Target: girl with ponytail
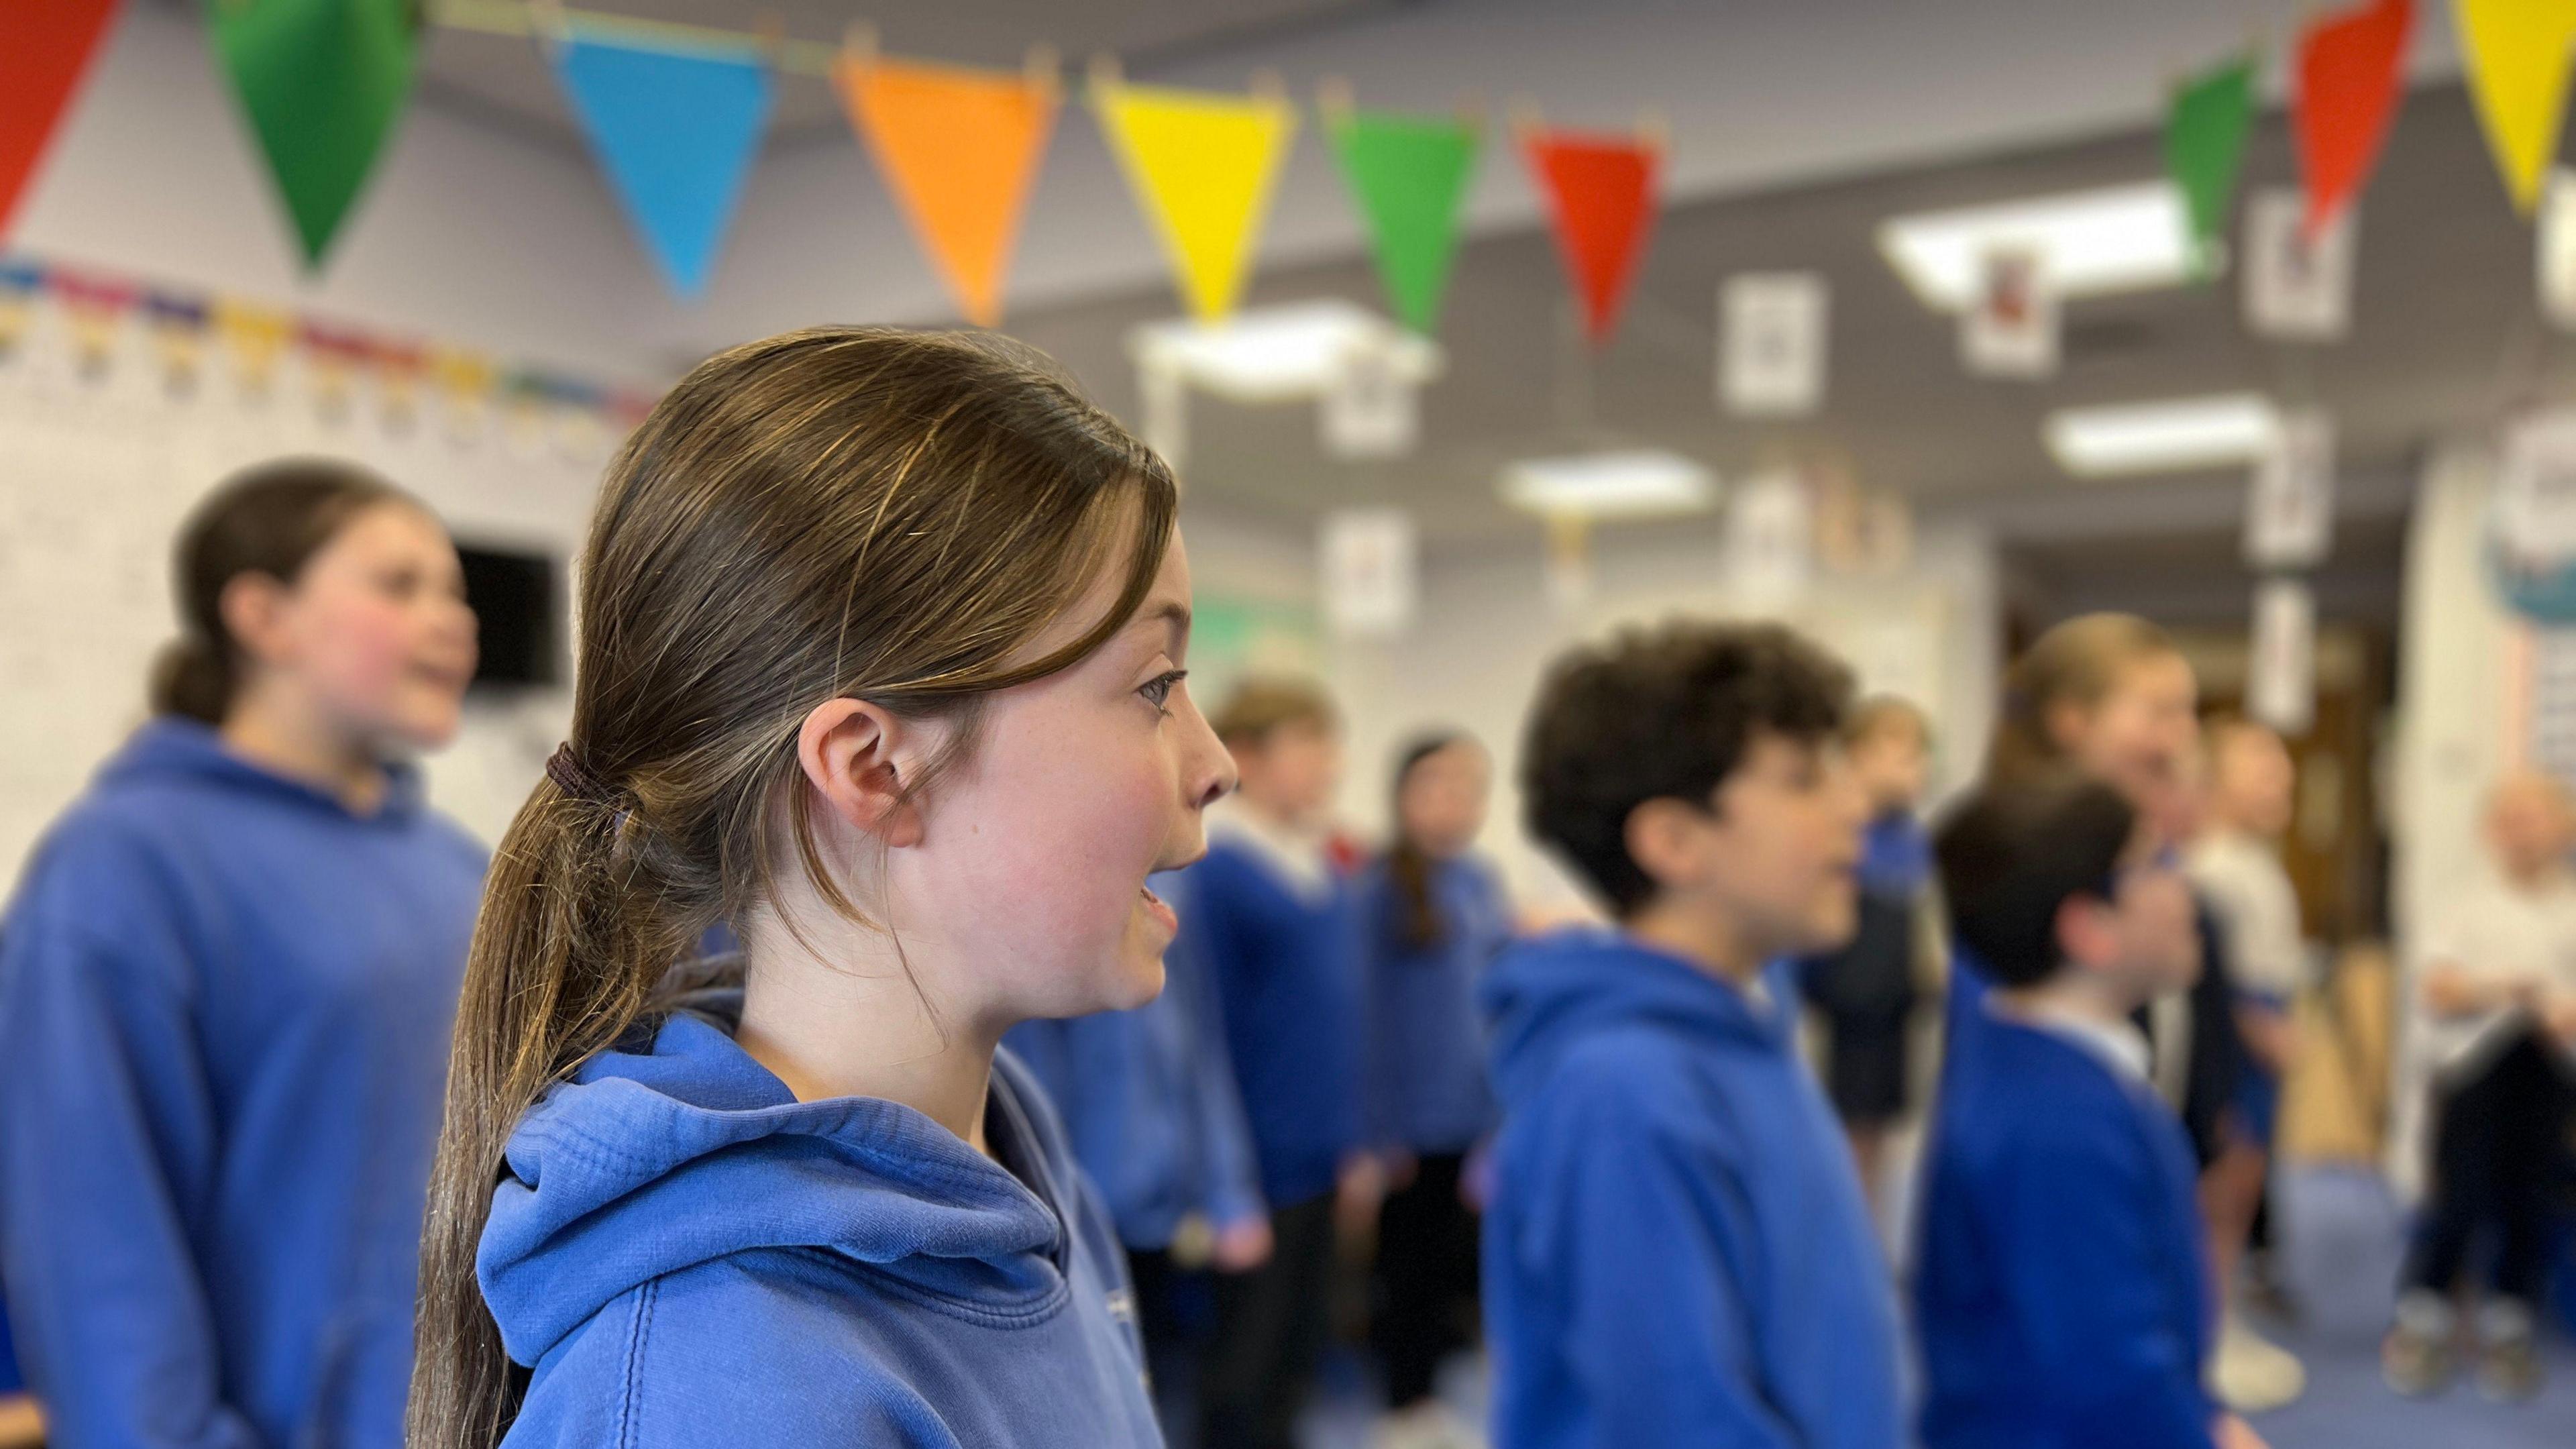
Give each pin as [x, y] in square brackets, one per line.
[224, 983]
[882, 642]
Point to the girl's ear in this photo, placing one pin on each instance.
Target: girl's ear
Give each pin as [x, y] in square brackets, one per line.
[253, 607]
[854, 754]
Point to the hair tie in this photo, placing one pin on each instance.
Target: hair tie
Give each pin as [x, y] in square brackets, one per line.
[574, 778]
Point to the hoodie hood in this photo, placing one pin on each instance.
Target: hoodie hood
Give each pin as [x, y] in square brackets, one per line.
[679, 1149]
[1545, 995]
[173, 751]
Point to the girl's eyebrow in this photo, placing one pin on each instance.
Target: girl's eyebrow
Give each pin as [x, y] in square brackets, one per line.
[1171, 612]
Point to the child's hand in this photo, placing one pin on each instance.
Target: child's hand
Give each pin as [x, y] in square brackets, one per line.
[2234, 1433]
[1241, 1246]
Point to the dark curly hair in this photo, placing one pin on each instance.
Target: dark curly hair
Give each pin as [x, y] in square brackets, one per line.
[1663, 713]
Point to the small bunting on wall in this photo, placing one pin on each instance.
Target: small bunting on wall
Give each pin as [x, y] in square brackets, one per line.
[2517, 54]
[1600, 195]
[2205, 150]
[1407, 175]
[2346, 94]
[46, 50]
[1203, 166]
[322, 83]
[676, 131]
[960, 150]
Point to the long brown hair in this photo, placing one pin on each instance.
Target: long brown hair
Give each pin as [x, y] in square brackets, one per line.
[1408, 865]
[840, 512]
[2076, 662]
[268, 519]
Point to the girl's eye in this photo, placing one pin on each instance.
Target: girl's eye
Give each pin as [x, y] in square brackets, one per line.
[1158, 690]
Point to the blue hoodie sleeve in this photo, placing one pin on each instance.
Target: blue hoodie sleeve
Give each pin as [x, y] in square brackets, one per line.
[107, 1143]
[1638, 1245]
[2091, 1285]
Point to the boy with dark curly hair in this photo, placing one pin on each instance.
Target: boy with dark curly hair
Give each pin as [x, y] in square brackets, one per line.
[1676, 1251]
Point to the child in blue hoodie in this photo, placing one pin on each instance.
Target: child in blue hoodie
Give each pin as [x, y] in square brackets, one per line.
[1432, 917]
[1271, 921]
[2063, 1294]
[883, 641]
[225, 985]
[1676, 1251]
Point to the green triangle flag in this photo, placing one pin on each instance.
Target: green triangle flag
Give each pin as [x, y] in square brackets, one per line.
[321, 82]
[1408, 174]
[2205, 147]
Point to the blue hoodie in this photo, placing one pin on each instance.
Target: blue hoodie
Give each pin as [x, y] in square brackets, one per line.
[225, 1004]
[1148, 1099]
[2062, 1288]
[1284, 957]
[1676, 1251]
[1426, 1090]
[686, 1255]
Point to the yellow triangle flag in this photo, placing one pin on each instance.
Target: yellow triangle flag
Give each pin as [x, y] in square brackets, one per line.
[959, 149]
[1202, 166]
[2517, 55]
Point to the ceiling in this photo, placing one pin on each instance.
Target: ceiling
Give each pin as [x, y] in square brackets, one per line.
[2446, 333]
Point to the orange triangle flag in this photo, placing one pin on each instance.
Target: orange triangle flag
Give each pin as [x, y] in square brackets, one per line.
[959, 149]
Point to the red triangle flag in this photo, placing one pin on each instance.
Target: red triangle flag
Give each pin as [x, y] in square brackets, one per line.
[2347, 94]
[1600, 194]
[49, 45]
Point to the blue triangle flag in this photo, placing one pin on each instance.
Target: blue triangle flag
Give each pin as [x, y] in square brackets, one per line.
[676, 134]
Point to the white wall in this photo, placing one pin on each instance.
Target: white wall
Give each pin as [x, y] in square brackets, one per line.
[1487, 632]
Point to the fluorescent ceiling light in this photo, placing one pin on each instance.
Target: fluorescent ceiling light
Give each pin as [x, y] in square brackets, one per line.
[2118, 239]
[1644, 483]
[1281, 354]
[2197, 432]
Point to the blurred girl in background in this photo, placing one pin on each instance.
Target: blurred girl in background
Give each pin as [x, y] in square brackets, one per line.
[225, 992]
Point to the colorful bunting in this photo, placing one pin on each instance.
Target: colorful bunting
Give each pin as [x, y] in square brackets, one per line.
[178, 325]
[322, 82]
[960, 150]
[2347, 94]
[1408, 174]
[1600, 194]
[1203, 167]
[257, 337]
[676, 133]
[19, 284]
[50, 44]
[2205, 149]
[2517, 53]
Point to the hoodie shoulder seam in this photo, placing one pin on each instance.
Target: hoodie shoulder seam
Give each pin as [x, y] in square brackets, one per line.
[643, 1325]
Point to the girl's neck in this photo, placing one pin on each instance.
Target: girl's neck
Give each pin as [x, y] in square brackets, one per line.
[300, 745]
[857, 1025]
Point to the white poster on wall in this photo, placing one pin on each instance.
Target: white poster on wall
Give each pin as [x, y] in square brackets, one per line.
[2281, 683]
[1371, 573]
[1373, 410]
[2554, 250]
[1771, 344]
[1770, 539]
[2289, 505]
[2535, 502]
[2297, 288]
[2010, 330]
[1566, 567]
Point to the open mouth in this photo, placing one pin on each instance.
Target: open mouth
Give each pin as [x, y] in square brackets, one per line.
[1159, 908]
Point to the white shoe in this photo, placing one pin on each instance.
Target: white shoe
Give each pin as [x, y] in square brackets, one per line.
[2252, 1375]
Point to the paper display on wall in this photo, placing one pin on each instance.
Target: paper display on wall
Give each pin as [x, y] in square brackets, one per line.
[1770, 540]
[2555, 251]
[2281, 684]
[2535, 500]
[2289, 506]
[1373, 410]
[2297, 288]
[1371, 577]
[1771, 344]
[2011, 328]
